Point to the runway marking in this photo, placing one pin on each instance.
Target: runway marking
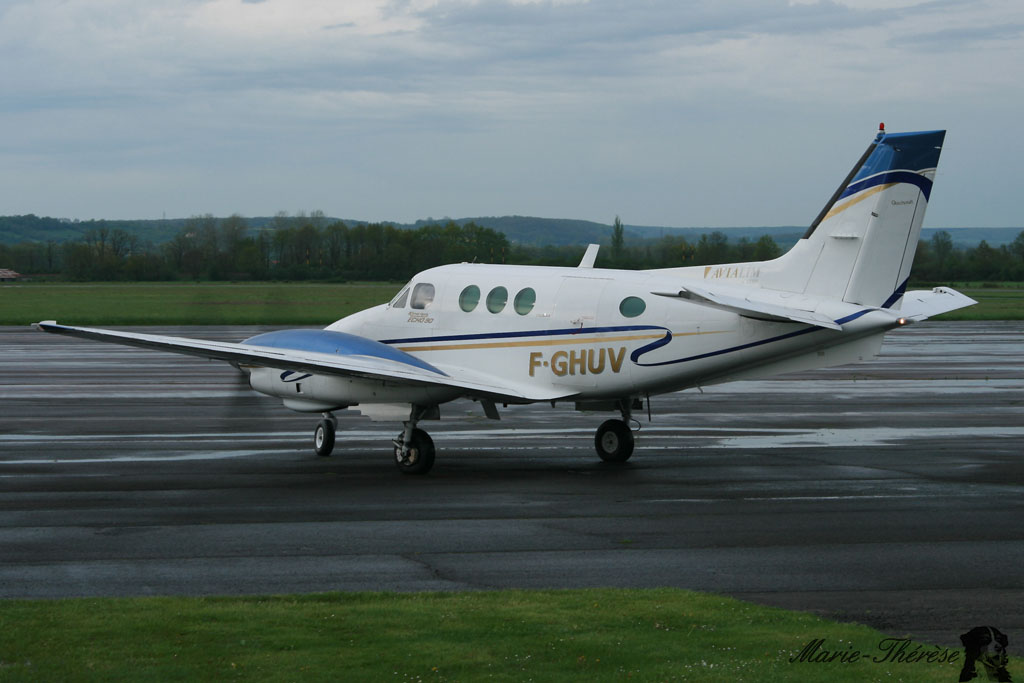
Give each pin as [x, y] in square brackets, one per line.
[457, 434]
[710, 438]
[863, 436]
[220, 455]
[979, 494]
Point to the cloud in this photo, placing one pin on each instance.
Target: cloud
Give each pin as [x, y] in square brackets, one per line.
[962, 38]
[397, 109]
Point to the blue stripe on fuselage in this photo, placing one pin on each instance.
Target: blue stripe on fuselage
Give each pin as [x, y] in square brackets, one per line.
[530, 333]
[720, 352]
[637, 353]
[635, 356]
[336, 343]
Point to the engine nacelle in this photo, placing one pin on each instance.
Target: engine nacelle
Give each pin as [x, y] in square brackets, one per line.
[307, 392]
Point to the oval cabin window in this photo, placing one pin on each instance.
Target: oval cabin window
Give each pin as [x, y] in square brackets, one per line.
[496, 299]
[525, 300]
[632, 306]
[469, 298]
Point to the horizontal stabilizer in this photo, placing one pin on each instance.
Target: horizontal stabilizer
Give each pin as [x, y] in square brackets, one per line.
[750, 307]
[920, 305]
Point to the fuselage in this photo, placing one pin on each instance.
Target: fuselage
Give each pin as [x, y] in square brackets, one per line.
[592, 333]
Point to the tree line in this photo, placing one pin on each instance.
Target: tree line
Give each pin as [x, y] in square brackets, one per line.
[311, 246]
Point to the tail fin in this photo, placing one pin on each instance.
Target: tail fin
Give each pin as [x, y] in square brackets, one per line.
[861, 246]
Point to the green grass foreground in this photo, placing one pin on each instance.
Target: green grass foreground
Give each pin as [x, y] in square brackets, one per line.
[593, 634]
[219, 303]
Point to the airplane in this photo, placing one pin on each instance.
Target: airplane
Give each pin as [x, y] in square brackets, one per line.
[606, 339]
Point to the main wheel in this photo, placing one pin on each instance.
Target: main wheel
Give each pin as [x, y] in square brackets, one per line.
[418, 457]
[323, 438]
[614, 441]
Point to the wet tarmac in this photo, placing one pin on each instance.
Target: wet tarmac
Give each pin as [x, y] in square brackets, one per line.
[888, 493]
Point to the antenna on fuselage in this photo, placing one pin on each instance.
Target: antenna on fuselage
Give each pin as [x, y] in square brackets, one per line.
[590, 256]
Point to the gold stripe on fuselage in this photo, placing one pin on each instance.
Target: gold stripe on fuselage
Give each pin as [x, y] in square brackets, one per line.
[548, 342]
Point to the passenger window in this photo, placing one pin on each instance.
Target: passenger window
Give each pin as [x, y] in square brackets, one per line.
[422, 295]
[496, 299]
[632, 306]
[525, 300]
[400, 298]
[469, 298]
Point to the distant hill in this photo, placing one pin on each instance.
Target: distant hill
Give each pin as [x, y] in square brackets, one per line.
[522, 229]
[30, 228]
[971, 237]
[555, 231]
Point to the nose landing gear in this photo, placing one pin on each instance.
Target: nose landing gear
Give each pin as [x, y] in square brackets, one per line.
[614, 440]
[323, 436]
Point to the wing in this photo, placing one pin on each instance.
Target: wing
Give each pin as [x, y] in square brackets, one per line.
[322, 352]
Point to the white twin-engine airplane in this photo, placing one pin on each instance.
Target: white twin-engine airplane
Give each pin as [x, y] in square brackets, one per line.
[607, 339]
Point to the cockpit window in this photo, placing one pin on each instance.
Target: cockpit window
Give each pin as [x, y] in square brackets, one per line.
[400, 298]
[422, 295]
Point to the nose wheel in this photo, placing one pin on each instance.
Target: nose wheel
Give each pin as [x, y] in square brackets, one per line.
[614, 441]
[323, 437]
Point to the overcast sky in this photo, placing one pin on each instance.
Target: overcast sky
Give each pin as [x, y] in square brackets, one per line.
[664, 112]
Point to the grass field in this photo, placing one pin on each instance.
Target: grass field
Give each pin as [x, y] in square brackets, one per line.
[993, 304]
[599, 634]
[188, 303]
[280, 303]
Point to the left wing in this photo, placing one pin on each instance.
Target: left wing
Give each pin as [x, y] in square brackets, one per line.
[319, 351]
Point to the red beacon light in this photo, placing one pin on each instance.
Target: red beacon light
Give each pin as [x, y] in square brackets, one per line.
[881, 128]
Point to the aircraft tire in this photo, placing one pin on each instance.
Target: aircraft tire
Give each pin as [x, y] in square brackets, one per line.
[419, 457]
[323, 438]
[614, 441]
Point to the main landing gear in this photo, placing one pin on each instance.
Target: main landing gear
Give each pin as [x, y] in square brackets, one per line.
[414, 449]
[614, 439]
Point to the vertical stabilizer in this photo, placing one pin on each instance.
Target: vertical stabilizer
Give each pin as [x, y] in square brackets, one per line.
[861, 246]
